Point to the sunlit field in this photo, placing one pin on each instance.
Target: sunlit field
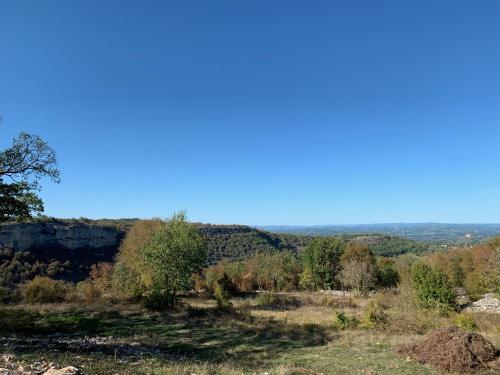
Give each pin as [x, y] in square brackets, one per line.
[287, 333]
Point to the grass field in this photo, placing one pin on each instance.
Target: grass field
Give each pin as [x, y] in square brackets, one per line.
[292, 335]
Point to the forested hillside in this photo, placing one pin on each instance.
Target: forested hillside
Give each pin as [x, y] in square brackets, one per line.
[53, 258]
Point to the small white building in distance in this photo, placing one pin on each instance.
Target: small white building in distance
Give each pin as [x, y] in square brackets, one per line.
[468, 236]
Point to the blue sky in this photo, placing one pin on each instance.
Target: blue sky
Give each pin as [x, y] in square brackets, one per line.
[260, 112]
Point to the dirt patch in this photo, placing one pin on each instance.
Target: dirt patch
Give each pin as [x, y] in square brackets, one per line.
[453, 350]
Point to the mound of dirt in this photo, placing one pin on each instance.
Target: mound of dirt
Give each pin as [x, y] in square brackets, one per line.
[453, 350]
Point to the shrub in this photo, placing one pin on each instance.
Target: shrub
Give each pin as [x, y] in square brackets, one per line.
[374, 316]
[46, 290]
[335, 302]
[306, 280]
[199, 283]
[276, 301]
[222, 298]
[465, 321]
[222, 290]
[433, 287]
[387, 275]
[87, 292]
[344, 321]
[4, 295]
[101, 275]
[156, 300]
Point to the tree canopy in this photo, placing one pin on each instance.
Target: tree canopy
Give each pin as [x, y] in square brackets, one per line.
[322, 261]
[22, 166]
[158, 259]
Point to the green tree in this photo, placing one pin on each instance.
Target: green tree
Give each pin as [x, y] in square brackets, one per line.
[18, 202]
[386, 273]
[175, 252]
[321, 260]
[433, 287]
[22, 166]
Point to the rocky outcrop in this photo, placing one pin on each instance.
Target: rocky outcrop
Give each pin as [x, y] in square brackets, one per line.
[58, 235]
[489, 304]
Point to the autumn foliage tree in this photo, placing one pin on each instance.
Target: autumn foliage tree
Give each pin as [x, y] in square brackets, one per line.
[358, 268]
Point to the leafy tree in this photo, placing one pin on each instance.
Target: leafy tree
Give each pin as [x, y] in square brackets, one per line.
[477, 269]
[306, 281]
[175, 252]
[386, 273]
[18, 202]
[433, 287]
[359, 252]
[358, 275]
[21, 167]
[129, 279]
[321, 259]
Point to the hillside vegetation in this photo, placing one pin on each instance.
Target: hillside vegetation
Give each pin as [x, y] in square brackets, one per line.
[224, 242]
[297, 305]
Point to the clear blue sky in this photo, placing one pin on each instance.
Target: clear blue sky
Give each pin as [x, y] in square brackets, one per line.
[260, 112]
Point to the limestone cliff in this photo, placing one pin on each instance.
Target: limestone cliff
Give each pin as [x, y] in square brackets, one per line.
[58, 235]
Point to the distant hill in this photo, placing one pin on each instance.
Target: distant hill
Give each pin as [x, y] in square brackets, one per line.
[239, 242]
[434, 233]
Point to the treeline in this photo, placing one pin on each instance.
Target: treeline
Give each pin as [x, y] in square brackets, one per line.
[224, 242]
[159, 261]
[325, 263]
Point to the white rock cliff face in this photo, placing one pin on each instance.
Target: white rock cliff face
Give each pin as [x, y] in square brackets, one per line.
[27, 236]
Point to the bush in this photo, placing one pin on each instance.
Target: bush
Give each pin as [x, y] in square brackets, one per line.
[465, 322]
[46, 290]
[387, 275]
[276, 301]
[374, 316]
[4, 295]
[334, 302]
[433, 287]
[222, 298]
[344, 321]
[87, 292]
[99, 284]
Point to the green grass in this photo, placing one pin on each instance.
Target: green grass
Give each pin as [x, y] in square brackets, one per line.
[335, 358]
[201, 341]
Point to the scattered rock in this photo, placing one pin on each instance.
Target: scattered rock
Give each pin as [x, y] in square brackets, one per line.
[96, 344]
[8, 357]
[451, 349]
[341, 293]
[488, 304]
[70, 370]
[13, 367]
